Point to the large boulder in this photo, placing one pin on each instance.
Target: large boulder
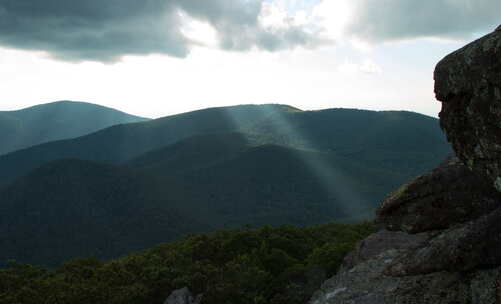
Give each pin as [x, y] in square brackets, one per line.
[465, 247]
[468, 83]
[446, 196]
[183, 296]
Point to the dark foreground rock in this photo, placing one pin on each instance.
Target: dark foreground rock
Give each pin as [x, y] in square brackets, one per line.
[447, 195]
[462, 248]
[367, 283]
[456, 265]
[445, 243]
[468, 82]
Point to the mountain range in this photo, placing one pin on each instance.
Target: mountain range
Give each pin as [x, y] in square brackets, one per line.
[130, 186]
[54, 121]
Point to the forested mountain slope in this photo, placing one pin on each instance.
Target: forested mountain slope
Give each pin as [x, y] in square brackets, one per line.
[267, 173]
[374, 138]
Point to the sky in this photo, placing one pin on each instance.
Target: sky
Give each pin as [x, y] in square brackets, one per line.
[160, 57]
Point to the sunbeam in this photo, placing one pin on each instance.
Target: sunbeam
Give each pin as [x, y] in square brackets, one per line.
[278, 126]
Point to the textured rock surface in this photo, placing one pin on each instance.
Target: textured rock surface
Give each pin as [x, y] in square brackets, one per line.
[367, 282]
[461, 248]
[448, 249]
[446, 266]
[183, 296]
[447, 195]
[468, 82]
[381, 242]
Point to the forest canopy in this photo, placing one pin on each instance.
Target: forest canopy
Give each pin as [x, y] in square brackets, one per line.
[265, 265]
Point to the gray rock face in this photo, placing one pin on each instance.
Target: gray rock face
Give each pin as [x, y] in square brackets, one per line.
[462, 248]
[445, 246]
[468, 83]
[368, 282]
[183, 296]
[381, 242]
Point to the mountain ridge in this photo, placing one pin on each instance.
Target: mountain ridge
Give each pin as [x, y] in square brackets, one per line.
[23, 128]
[211, 172]
[262, 123]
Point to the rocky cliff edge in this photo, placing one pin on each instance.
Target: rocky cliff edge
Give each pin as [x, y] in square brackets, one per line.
[441, 236]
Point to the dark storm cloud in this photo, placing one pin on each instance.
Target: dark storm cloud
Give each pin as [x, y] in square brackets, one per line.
[105, 30]
[386, 20]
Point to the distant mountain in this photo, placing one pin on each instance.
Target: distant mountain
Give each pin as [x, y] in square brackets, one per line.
[192, 153]
[120, 143]
[398, 139]
[283, 166]
[54, 121]
[409, 139]
[70, 208]
[277, 185]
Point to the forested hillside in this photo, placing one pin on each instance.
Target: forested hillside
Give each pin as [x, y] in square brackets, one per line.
[101, 195]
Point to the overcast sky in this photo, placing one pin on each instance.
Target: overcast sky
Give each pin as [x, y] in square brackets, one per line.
[160, 57]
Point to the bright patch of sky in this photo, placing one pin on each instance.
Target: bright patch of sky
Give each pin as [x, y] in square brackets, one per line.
[311, 54]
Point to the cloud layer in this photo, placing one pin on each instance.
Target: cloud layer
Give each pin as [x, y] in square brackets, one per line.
[105, 30]
[387, 20]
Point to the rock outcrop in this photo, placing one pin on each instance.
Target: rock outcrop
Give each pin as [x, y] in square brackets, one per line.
[468, 83]
[368, 283]
[447, 195]
[455, 262]
[441, 237]
[183, 296]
